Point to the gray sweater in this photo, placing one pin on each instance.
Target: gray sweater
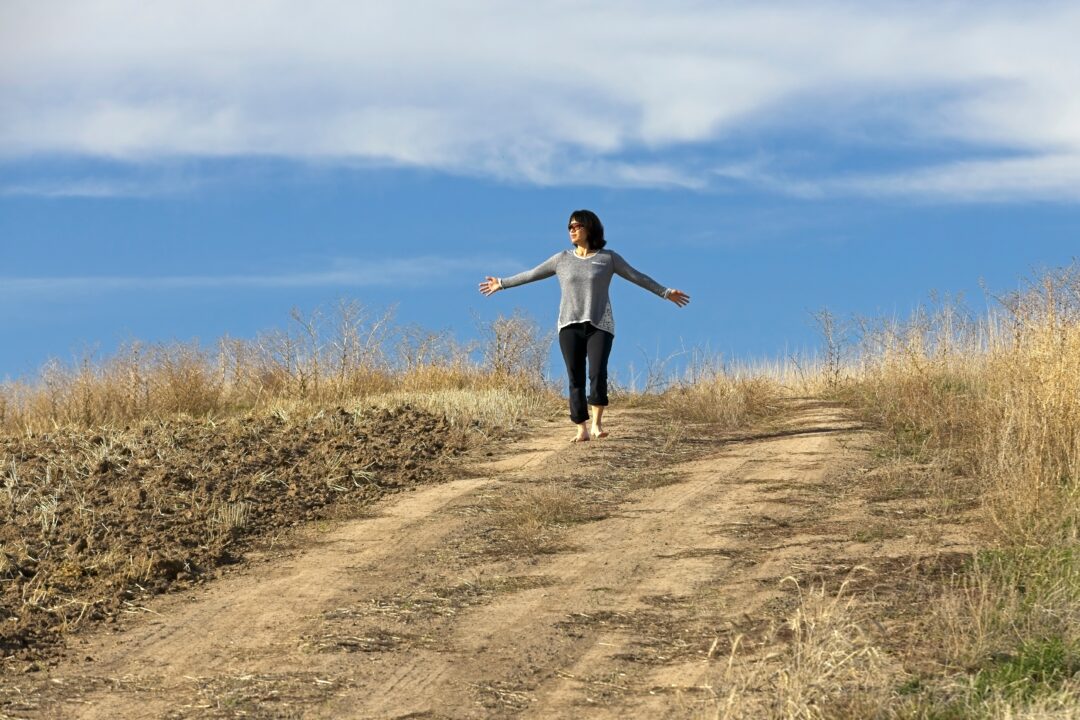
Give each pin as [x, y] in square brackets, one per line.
[584, 282]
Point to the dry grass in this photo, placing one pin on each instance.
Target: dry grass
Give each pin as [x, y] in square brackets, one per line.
[710, 391]
[982, 413]
[993, 399]
[531, 520]
[823, 662]
[491, 407]
[985, 411]
[724, 400]
[319, 360]
[826, 666]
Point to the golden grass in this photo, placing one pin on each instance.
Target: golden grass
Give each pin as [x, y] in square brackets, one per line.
[988, 409]
[995, 399]
[492, 407]
[317, 361]
[827, 667]
[724, 400]
[712, 392]
[531, 520]
[980, 411]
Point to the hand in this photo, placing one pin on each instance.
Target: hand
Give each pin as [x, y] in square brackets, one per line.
[489, 286]
[679, 297]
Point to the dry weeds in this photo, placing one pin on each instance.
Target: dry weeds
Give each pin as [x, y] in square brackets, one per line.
[819, 663]
[318, 360]
[983, 412]
[724, 400]
[531, 519]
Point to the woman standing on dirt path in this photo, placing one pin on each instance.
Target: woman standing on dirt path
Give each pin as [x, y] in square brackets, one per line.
[586, 325]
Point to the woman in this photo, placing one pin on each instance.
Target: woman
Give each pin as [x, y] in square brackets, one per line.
[586, 325]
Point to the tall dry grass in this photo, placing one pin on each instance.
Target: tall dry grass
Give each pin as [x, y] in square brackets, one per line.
[983, 406]
[723, 399]
[997, 397]
[352, 353]
[829, 667]
[699, 387]
[993, 402]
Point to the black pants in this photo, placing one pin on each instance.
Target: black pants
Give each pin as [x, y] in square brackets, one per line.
[578, 342]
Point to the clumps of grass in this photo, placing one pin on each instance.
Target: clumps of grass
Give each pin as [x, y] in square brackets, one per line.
[993, 399]
[1035, 668]
[485, 407]
[820, 663]
[443, 602]
[318, 360]
[1011, 603]
[983, 412]
[228, 518]
[722, 399]
[831, 655]
[1038, 680]
[894, 478]
[531, 520]
[878, 532]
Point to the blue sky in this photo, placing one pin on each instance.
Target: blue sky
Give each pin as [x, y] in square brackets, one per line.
[193, 169]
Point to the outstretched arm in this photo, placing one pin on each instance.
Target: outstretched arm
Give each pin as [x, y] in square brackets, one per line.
[544, 270]
[624, 270]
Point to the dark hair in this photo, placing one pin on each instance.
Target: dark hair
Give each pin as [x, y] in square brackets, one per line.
[594, 229]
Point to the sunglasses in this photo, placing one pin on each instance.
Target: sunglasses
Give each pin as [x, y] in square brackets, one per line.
[574, 226]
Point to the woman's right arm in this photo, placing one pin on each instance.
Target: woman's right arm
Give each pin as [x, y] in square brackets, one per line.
[544, 270]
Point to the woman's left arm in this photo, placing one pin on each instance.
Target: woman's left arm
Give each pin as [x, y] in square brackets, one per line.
[623, 269]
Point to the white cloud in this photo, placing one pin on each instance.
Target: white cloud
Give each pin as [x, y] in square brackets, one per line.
[95, 188]
[421, 270]
[1046, 177]
[549, 92]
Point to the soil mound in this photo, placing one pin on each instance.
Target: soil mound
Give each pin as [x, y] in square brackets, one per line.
[92, 521]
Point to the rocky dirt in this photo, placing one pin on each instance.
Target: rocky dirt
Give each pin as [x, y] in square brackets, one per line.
[619, 578]
[92, 525]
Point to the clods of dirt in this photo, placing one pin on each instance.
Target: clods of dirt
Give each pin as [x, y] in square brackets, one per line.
[90, 522]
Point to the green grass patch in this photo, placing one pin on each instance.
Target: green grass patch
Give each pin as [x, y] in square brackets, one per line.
[1038, 667]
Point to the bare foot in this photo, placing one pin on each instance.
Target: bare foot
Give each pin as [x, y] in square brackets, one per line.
[599, 432]
[582, 435]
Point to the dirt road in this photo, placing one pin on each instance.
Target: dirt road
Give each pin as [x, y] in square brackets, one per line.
[464, 600]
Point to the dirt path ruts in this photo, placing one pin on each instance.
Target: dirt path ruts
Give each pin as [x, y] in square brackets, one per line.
[403, 614]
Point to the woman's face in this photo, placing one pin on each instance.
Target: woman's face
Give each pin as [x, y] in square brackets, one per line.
[578, 234]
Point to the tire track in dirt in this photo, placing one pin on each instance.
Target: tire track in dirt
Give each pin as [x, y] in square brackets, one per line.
[401, 615]
[248, 625]
[684, 545]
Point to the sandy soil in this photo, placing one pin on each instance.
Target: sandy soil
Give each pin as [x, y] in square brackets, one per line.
[425, 609]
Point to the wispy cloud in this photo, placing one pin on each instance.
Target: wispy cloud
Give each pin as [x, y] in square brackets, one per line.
[1043, 177]
[397, 272]
[550, 92]
[94, 187]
